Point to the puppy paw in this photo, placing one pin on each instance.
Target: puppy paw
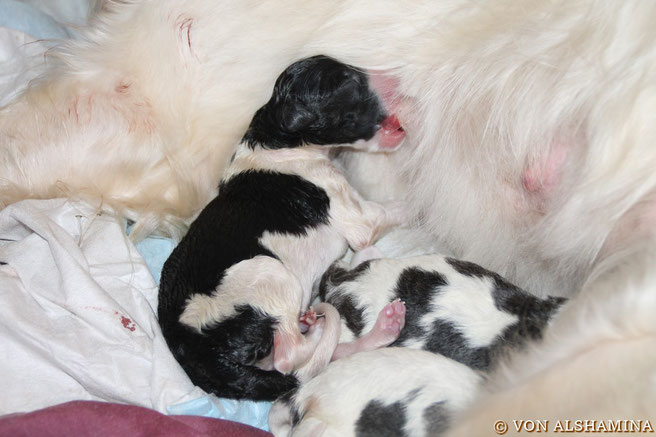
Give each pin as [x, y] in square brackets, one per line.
[392, 319]
[389, 324]
[307, 319]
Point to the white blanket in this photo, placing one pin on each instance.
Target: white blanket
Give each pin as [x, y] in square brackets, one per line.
[77, 313]
[77, 302]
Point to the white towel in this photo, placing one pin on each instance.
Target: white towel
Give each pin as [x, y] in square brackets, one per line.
[78, 313]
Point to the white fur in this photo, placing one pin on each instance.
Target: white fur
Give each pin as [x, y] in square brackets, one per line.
[596, 361]
[466, 302]
[331, 403]
[143, 113]
[262, 282]
[282, 288]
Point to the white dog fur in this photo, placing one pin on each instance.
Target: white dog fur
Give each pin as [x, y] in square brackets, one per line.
[529, 148]
[332, 404]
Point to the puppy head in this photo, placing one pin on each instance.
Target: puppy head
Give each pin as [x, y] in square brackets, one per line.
[318, 101]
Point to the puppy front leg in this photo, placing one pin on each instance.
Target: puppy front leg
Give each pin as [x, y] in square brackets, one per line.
[361, 222]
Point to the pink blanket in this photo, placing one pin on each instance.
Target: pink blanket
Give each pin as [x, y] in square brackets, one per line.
[89, 418]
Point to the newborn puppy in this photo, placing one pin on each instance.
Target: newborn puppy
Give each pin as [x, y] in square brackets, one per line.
[461, 312]
[232, 290]
[388, 392]
[454, 308]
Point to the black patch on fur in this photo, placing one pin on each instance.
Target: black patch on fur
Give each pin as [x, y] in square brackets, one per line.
[436, 418]
[379, 420]
[337, 275]
[221, 359]
[228, 230]
[283, 203]
[348, 311]
[533, 312]
[246, 337]
[416, 287]
[533, 319]
[507, 297]
[320, 101]
[317, 100]
[296, 415]
[329, 291]
[469, 268]
[444, 338]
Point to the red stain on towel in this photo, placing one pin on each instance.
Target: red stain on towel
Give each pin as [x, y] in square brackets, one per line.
[128, 324]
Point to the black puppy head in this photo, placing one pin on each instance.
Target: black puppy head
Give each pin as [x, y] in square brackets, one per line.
[318, 101]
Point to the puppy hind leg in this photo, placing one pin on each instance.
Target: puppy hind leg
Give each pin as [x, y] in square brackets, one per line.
[387, 329]
[360, 222]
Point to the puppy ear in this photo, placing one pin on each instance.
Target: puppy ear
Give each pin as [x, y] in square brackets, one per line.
[350, 86]
[296, 116]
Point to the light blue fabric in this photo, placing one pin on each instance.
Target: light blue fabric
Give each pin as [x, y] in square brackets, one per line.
[155, 251]
[28, 19]
[251, 413]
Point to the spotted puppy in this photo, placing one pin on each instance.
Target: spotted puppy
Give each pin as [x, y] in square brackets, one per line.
[389, 392]
[464, 314]
[232, 290]
[455, 308]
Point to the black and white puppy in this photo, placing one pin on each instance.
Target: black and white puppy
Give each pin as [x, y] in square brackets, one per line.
[455, 308]
[232, 290]
[388, 392]
[460, 316]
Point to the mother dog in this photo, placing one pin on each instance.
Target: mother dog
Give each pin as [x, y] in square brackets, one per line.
[529, 150]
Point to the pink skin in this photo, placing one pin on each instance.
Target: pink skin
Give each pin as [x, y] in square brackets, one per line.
[293, 350]
[542, 178]
[387, 329]
[308, 354]
[308, 319]
[387, 87]
[391, 133]
[389, 323]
